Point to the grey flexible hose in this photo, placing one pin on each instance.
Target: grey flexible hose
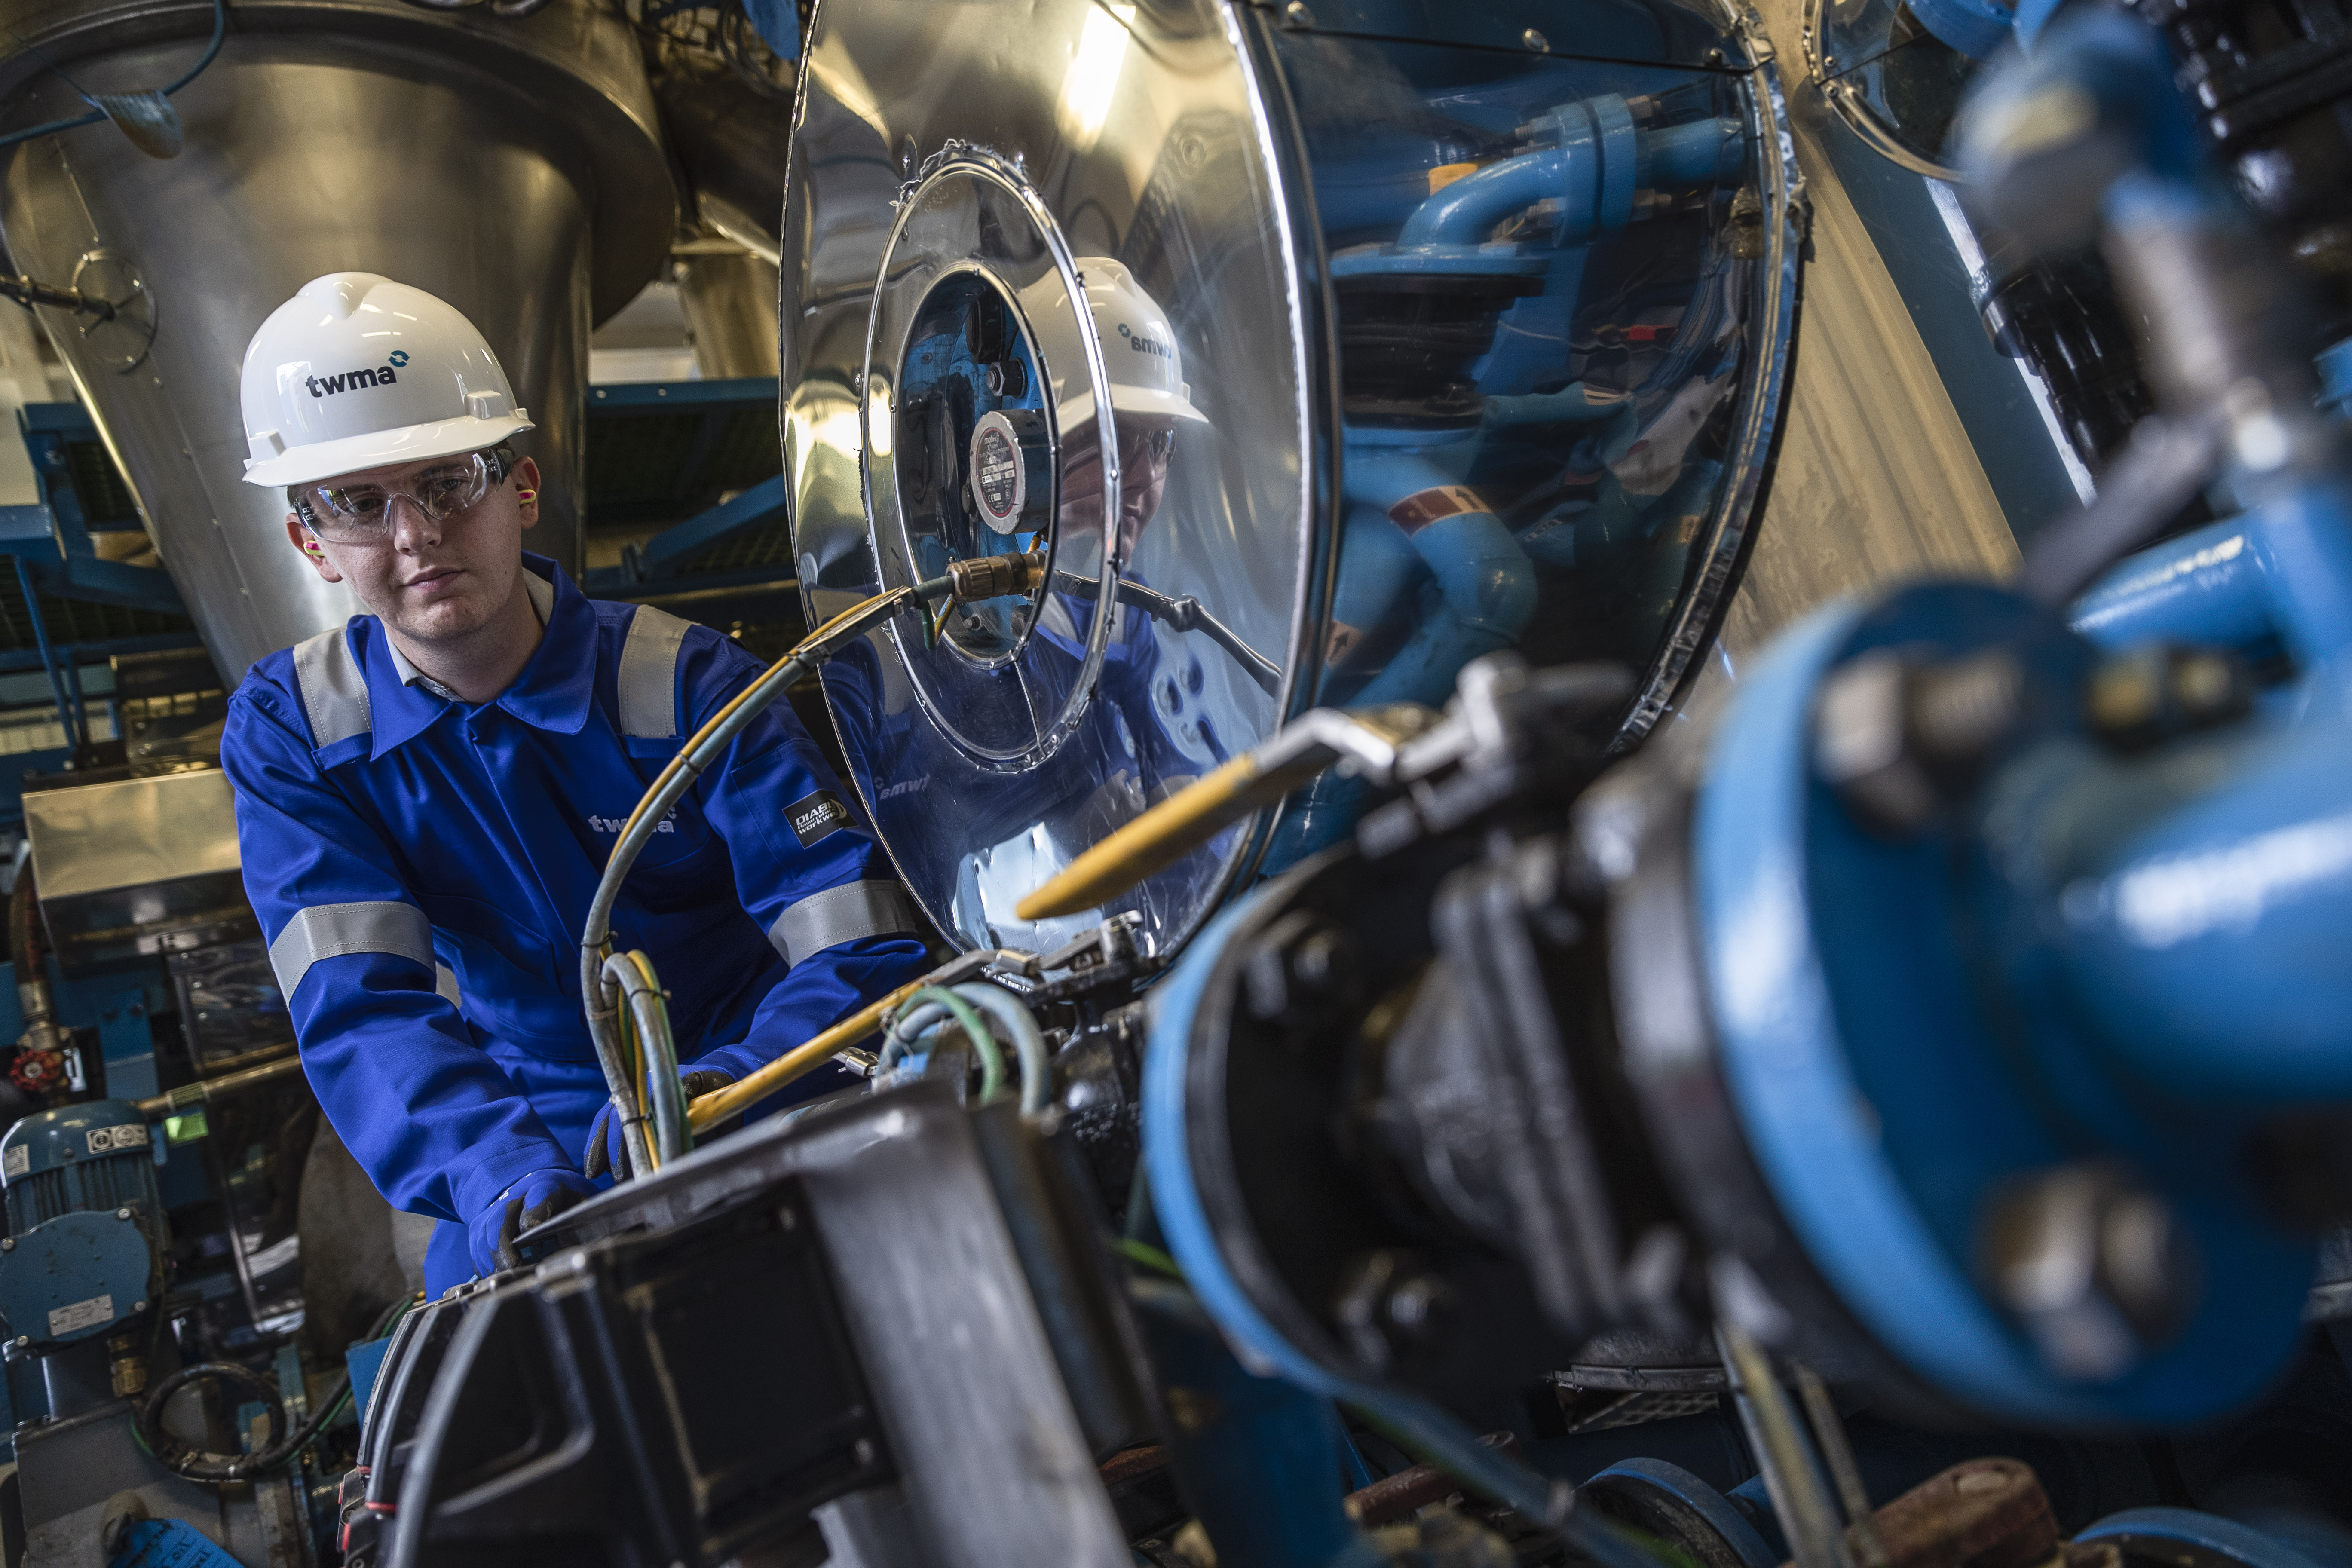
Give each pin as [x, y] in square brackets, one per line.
[672, 1137]
[1028, 1041]
[601, 1003]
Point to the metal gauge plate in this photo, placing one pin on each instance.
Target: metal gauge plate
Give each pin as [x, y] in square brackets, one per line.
[1385, 348]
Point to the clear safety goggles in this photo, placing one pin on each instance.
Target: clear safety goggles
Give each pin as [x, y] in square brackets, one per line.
[361, 514]
[1140, 446]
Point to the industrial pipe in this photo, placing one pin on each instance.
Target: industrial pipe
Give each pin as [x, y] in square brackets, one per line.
[206, 1091]
[1601, 161]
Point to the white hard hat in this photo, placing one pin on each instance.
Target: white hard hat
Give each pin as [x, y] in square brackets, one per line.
[1138, 346]
[358, 372]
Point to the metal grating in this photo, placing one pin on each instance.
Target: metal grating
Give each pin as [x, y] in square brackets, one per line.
[664, 466]
[769, 545]
[75, 620]
[105, 495]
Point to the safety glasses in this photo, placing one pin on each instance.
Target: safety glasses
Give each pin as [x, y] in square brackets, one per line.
[361, 514]
[1139, 445]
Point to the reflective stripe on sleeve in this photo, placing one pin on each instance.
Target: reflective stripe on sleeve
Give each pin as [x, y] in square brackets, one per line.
[647, 680]
[841, 914]
[329, 931]
[334, 688]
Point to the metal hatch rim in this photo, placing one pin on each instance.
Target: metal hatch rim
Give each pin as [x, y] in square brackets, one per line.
[1720, 562]
[1851, 108]
[956, 157]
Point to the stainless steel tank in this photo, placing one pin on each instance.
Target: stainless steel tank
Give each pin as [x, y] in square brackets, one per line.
[730, 298]
[1484, 349]
[730, 138]
[512, 166]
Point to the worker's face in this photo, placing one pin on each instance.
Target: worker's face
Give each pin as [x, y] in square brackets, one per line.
[1144, 449]
[434, 582]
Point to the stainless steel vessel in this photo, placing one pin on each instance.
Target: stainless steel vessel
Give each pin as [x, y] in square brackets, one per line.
[512, 166]
[1484, 346]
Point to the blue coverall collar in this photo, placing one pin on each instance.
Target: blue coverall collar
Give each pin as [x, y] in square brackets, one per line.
[553, 692]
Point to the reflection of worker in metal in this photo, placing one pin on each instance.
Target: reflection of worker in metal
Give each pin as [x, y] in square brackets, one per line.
[1149, 398]
[439, 784]
[1144, 735]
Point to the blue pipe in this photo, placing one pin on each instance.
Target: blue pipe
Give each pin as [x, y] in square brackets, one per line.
[2335, 366]
[2304, 538]
[1258, 1458]
[1593, 171]
[2203, 915]
[1486, 586]
[1690, 157]
[2205, 587]
[220, 30]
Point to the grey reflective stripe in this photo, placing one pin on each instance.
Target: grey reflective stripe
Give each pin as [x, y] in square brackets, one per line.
[841, 914]
[445, 986]
[334, 689]
[329, 931]
[648, 678]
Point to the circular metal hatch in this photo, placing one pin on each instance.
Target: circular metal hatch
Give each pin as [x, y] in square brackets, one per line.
[1297, 367]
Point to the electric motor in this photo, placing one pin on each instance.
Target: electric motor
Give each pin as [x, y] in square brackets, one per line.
[84, 1249]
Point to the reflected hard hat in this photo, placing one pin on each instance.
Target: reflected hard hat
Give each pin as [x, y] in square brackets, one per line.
[358, 372]
[1138, 346]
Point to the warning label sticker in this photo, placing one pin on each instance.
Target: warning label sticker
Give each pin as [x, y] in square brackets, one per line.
[16, 1161]
[81, 1315]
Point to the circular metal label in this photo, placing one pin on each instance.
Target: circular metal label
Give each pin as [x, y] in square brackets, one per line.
[999, 485]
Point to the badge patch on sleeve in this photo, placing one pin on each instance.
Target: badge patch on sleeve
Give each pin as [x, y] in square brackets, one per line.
[814, 816]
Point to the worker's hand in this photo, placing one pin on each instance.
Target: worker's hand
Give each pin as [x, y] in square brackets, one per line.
[536, 1199]
[607, 1153]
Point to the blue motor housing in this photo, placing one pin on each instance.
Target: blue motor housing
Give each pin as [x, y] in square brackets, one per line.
[84, 1249]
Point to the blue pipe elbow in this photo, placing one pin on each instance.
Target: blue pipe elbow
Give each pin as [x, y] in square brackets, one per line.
[1485, 584]
[1601, 159]
[2205, 586]
[1465, 212]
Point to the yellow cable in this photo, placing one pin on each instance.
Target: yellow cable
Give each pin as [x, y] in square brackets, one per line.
[722, 1103]
[1165, 835]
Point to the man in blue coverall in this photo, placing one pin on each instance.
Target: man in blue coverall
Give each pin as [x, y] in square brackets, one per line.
[426, 797]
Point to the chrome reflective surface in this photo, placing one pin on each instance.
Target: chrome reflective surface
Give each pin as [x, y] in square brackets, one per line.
[1491, 343]
[944, 325]
[1895, 83]
[104, 838]
[729, 301]
[511, 166]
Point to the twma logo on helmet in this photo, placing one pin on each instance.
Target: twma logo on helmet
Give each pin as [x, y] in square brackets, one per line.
[352, 379]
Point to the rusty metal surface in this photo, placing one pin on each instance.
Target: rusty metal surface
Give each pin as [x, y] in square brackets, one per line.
[1983, 1513]
[1396, 1496]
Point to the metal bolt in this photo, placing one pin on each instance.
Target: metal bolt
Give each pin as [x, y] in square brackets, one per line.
[1301, 963]
[864, 1451]
[122, 1214]
[8, 1244]
[1896, 738]
[2139, 699]
[1536, 41]
[1297, 14]
[139, 1306]
[1388, 1302]
[21, 1342]
[2096, 1266]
